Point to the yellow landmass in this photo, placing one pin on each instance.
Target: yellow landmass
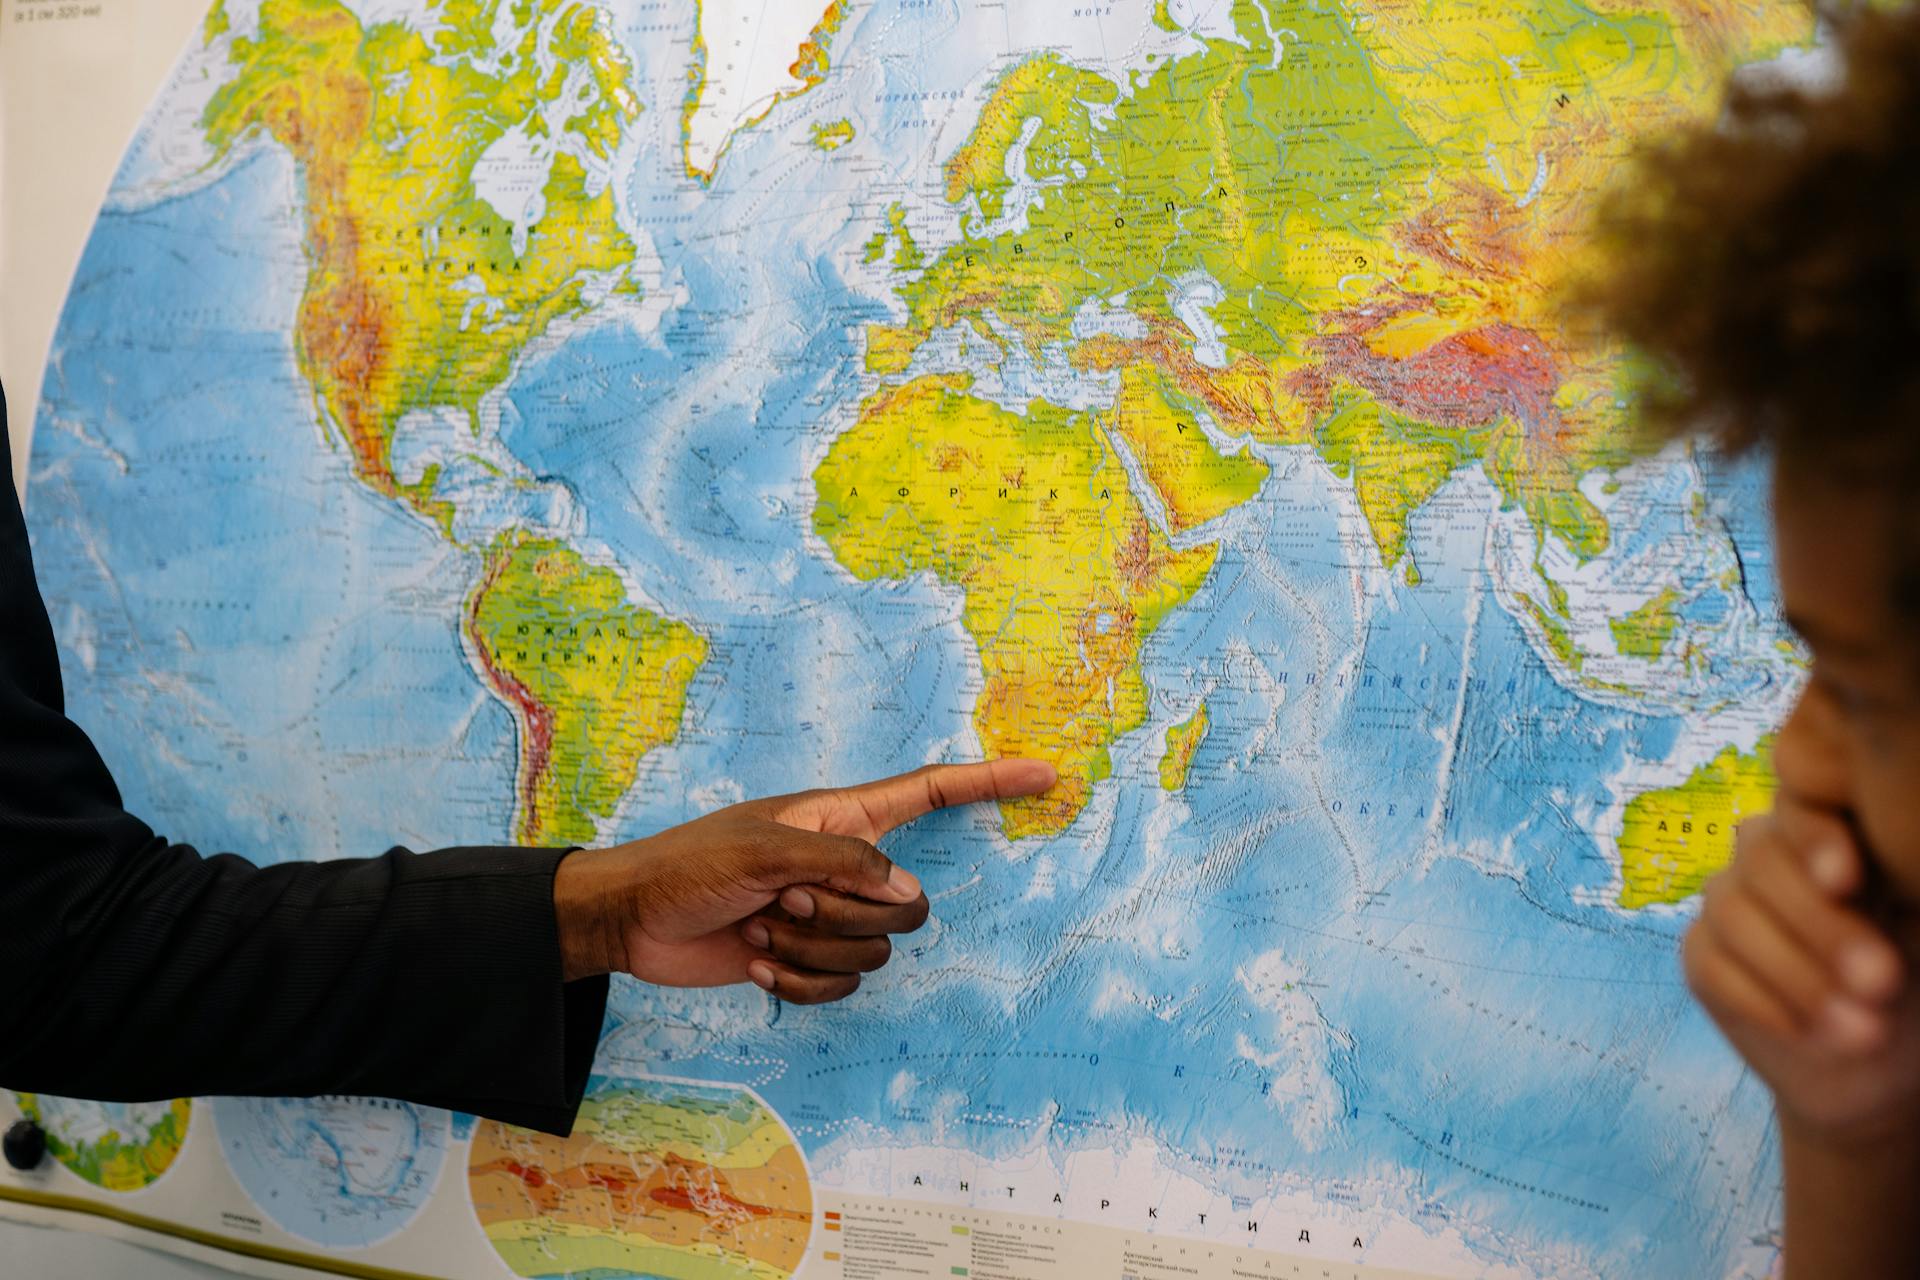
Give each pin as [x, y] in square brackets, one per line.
[116, 1161]
[1063, 576]
[1675, 839]
[1194, 480]
[906, 253]
[418, 293]
[594, 681]
[1045, 88]
[832, 136]
[1387, 285]
[1182, 741]
[1644, 633]
[1396, 463]
[890, 350]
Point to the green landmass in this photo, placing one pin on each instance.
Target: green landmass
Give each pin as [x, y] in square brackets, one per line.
[1644, 633]
[594, 681]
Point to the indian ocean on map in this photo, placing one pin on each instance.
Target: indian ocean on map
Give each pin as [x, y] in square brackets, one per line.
[543, 420]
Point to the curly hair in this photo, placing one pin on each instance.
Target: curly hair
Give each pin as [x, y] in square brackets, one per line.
[1767, 265]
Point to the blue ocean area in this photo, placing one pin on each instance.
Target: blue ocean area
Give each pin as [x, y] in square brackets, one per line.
[1485, 1017]
[168, 474]
[345, 1173]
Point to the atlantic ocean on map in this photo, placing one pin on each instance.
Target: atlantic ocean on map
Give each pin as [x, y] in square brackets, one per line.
[544, 422]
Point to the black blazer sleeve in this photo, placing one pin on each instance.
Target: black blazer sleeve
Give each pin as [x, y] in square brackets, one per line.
[139, 969]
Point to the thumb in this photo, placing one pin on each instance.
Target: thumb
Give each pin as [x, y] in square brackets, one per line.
[846, 863]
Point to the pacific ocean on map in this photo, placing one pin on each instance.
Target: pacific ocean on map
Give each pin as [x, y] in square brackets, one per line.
[1175, 391]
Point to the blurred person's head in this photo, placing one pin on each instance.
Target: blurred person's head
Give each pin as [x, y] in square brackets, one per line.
[1768, 266]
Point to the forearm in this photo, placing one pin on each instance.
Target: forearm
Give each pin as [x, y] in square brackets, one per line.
[139, 969]
[1850, 1208]
[431, 977]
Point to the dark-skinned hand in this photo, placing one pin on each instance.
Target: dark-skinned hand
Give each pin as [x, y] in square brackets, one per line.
[790, 893]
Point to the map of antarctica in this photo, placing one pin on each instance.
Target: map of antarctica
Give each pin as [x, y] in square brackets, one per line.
[544, 422]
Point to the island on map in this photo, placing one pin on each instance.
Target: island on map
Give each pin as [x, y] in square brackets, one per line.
[749, 57]
[1183, 740]
[1644, 633]
[832, 135]
[906, 257]
[1674, 839]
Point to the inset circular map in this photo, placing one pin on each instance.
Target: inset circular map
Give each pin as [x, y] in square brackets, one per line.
[660, 1179]
[118, 1146]
[341, 1172]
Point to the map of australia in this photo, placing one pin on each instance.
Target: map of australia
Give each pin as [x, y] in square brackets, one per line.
[619, 410]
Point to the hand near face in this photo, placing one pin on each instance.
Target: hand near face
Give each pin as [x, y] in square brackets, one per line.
[1818, 997]
[789, 893]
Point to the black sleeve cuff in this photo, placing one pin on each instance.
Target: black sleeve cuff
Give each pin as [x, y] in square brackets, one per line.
[536, 1058]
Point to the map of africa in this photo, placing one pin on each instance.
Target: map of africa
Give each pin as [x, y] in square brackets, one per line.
[546, 421]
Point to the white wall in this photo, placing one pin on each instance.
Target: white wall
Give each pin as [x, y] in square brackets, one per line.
[71, 92]
[45, 1253]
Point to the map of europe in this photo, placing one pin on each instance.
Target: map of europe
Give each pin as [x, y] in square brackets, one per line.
[543, 421]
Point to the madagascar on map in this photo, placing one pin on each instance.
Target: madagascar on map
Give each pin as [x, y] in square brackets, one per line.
[546, 421]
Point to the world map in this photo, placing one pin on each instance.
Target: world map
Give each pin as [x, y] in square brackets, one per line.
[335, 1171]
[547, 421]
[116, 1146]
[679, 1181]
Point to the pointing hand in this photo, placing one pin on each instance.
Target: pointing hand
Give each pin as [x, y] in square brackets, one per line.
[788, 893]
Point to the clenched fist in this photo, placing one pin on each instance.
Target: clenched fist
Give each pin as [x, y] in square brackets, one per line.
[790, 893]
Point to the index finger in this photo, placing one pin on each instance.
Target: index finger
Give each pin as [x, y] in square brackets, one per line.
[891, 802]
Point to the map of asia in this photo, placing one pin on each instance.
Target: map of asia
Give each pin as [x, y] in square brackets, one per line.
[545, 421]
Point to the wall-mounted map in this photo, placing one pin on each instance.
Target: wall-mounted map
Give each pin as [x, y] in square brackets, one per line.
[545, 421]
